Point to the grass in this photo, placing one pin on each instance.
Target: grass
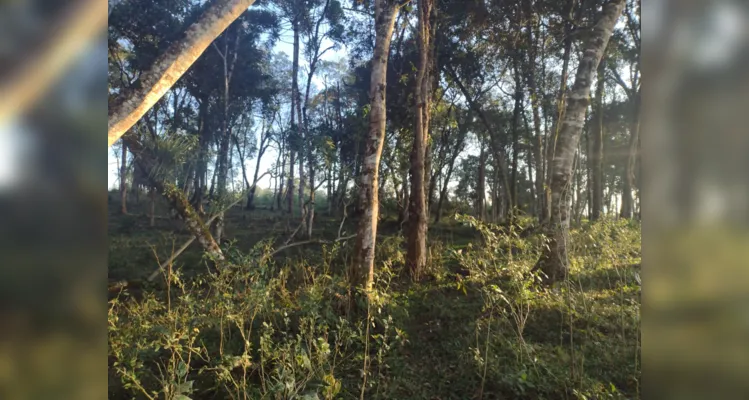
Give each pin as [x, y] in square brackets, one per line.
[476, 327]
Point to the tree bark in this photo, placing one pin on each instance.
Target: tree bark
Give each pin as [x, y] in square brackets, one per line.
[225, 138]
[123, 180]
[596, 158]
[128, 107]
[26, 79]
[294, 138]
[551, 140]
[553, 261]
[201, 168]
[515, 136]
[629, 174]
[363, 267]
[481, 186]
[152, 212]
[532, 29]
[416, 255]
[177, 200]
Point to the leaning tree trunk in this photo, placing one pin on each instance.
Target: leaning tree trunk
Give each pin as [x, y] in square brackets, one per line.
[416, 255]
[132, 104]
[597, 155]
[177, 200]
[553, 261]
[629, 173]
[363, 268]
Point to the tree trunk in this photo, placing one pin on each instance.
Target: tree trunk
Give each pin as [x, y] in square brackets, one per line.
[403, 210]
[629, 172]
[529, 162]
[123, 179]
[416, 255]
[597, 155]
[128, 107]
[329, 189]
[201, 168]
[294, 135]
[551, 140]
[152, 213]
[553, 261]
[177, 200]
[363, 268]
[480, 186]
[300, 127]
[225, 138]
[515, 136]
[311, 205]
[532, 29]
[456, 152]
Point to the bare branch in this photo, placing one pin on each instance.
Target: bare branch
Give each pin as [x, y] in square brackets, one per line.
[284, 247]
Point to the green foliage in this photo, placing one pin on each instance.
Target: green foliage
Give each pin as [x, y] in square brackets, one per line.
[582, 335]
[253, 329]
[280, 327]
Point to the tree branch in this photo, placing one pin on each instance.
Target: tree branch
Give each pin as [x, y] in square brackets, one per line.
[187, 244]
[284, 247]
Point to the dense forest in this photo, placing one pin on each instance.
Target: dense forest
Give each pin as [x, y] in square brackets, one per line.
[374, 199]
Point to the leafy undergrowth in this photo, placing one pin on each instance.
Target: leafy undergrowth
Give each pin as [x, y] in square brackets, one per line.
[476, 327]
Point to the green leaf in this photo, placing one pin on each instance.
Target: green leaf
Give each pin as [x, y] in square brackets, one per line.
[310, 396]
[181, 369]
[185, 387]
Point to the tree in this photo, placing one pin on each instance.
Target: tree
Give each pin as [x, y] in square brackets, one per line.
[417, 253]
[149, 163]
[131, 104]
[596, 157]
[553, 260]
[363, 267]
[123, 180]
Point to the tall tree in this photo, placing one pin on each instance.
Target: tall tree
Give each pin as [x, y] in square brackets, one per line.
[553, 261]
[628, 183]
[363, 267]
[596, 158]
[416, 256]
[533, 38]
[130, 105]
[570, 18]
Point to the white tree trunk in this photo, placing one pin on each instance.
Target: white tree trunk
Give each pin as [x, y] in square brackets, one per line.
[363, 268]
[553, 261]
[132, 104]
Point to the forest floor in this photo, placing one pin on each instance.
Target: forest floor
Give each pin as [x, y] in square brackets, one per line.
[476, 327]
